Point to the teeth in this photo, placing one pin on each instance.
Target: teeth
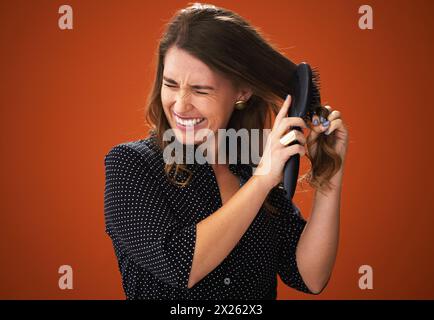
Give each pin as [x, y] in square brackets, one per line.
[189, 122]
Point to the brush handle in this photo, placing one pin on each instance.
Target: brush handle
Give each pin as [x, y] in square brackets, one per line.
[290, 172]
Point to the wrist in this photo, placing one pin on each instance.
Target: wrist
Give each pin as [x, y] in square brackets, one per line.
[335, 183]
[263, 181]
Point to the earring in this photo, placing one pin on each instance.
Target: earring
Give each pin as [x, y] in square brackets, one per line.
[240, 105]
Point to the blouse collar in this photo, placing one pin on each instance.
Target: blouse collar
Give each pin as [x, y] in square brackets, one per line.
[239, 169]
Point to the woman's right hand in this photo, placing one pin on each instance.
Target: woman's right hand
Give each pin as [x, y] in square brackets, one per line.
[275, 155]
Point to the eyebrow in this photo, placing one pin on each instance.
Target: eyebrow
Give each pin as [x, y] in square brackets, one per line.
[192, 86]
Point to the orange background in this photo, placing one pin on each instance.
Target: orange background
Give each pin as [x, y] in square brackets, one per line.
[68, 96]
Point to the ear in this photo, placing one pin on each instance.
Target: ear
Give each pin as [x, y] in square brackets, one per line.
[245, 93]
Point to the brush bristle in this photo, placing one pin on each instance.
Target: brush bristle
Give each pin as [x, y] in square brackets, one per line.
[316, 96]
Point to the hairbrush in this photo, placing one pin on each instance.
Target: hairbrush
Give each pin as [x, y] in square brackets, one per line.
[304, 103]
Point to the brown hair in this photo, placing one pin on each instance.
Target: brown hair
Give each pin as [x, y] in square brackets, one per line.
[229, 45]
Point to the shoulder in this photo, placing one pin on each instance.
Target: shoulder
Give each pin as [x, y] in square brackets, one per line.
[143, 151]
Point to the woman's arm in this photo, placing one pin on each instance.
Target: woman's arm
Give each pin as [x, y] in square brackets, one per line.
[226, 226]
[219, 233]
[317, 247]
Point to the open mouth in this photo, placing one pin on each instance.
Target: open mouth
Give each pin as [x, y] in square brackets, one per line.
[188, 123]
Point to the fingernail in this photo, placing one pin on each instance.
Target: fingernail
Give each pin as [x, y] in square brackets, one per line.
[315, 122]
[327, 132]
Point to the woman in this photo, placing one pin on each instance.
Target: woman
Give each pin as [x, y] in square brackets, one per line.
[218, 231]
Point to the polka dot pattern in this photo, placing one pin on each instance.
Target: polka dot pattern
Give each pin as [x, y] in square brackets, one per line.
[152, 225]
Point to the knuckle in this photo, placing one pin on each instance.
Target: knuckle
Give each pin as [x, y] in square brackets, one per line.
[295, 148]
[281, 124]
[334, 115]
[287, 120]
[299, 138]
[299, 134]
[337, 122]
[296, 122]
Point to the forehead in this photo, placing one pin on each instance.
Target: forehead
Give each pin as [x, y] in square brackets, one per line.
[180, 65]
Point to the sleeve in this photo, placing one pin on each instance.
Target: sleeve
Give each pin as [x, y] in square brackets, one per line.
[290, 232]
[138, 216]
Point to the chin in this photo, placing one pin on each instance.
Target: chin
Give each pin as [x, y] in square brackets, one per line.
[182, 138]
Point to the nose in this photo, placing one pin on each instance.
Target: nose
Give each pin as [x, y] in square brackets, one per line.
[182, 101]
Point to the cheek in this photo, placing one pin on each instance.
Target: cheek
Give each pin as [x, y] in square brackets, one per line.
[226, 110]
[209, 108]
[166, 98]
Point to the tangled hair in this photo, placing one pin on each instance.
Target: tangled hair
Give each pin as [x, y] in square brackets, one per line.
[229, 45]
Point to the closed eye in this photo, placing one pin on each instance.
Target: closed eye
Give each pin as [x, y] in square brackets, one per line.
[199, 92]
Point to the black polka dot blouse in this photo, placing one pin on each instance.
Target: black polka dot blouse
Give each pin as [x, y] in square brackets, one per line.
[152, 225]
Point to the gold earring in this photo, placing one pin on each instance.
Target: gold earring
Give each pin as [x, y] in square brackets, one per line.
[240, 105]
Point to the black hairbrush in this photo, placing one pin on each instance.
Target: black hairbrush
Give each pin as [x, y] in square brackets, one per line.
[304, 101]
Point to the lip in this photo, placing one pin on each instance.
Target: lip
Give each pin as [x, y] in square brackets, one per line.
[186, 118]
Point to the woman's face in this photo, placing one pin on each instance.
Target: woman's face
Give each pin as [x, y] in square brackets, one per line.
[194, 97]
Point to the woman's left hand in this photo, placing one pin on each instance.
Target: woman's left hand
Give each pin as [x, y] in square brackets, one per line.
[332, 125]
